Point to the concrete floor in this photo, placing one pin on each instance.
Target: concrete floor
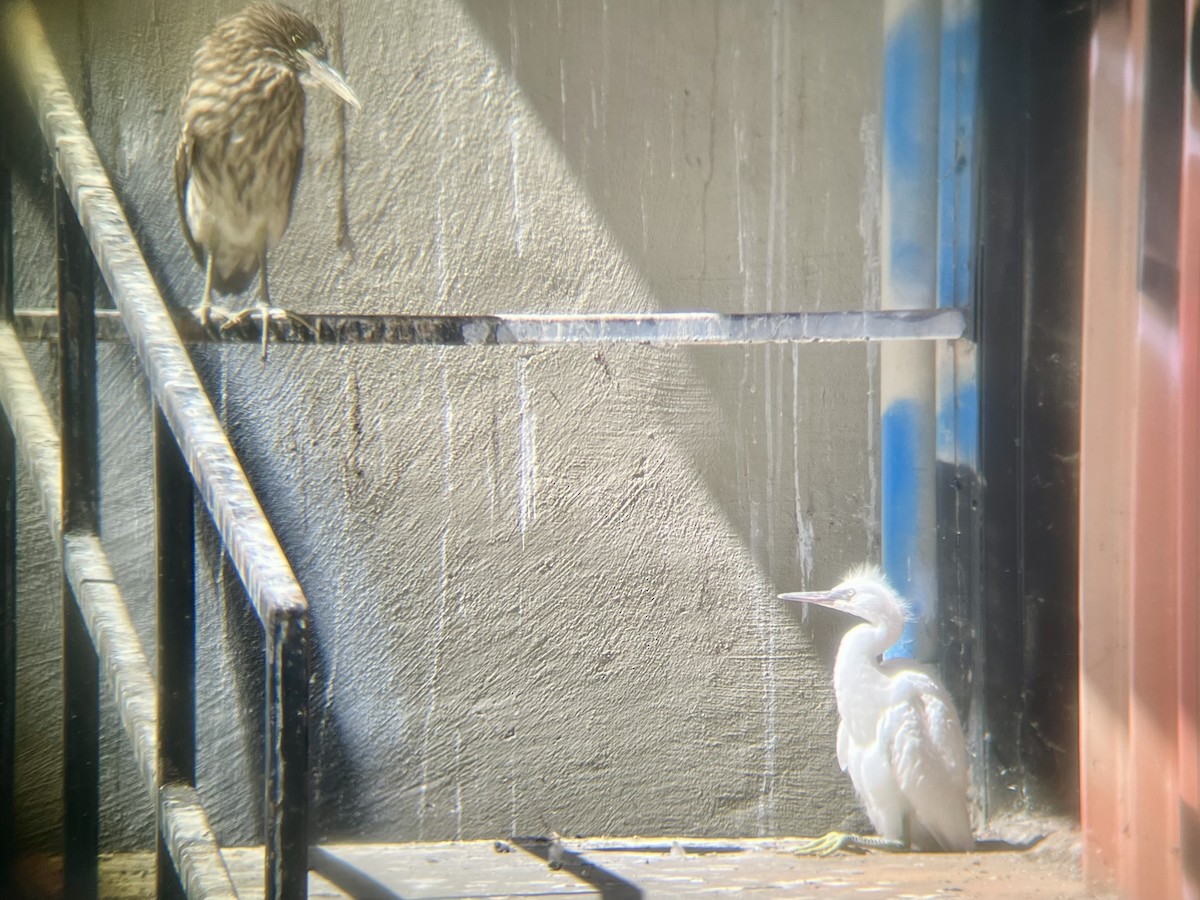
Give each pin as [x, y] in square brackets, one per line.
[629, 868]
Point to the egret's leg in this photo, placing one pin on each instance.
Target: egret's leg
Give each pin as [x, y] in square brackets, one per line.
[844, 840]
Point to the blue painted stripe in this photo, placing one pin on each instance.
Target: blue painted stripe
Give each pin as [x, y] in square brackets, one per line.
[958, 395]
[910, 146]
[902, 448]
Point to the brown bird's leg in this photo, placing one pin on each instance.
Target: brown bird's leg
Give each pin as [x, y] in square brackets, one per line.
[206, 300]
[264, 301]
[208, 310]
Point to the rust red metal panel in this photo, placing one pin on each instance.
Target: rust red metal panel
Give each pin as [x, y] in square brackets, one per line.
[1140, 464]
[1188, 641]
[1107, 450]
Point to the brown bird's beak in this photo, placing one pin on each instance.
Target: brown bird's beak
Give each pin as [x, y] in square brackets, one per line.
[328, 77]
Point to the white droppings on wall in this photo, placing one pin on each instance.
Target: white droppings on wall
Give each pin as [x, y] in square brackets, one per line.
[526, 452]
[805, 541]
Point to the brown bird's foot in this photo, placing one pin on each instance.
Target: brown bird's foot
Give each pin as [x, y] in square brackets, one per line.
[843, 840]
[212, 314]
[266, 315]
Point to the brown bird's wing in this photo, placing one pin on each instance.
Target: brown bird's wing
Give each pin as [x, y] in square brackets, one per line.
[183, 164]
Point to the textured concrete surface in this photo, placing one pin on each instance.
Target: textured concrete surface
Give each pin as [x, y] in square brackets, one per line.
[542, 581]
[668, 868]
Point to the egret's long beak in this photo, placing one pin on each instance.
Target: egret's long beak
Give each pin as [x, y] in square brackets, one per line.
[328, 77]
[820, 598]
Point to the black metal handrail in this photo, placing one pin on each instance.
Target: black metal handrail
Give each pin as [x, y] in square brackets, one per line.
[189, 439]
[676, 329]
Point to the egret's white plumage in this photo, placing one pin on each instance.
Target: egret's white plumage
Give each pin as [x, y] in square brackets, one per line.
[899, 737]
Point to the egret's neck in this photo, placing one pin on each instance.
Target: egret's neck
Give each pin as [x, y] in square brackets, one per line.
[868, 641]
[857, 676]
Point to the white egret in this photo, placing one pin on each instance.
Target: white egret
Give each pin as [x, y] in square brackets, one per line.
[899, 735]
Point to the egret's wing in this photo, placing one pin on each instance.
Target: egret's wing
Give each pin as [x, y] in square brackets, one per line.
[929, 758]
[843, 746]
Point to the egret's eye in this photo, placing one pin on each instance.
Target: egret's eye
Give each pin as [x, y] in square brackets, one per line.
[297, 40]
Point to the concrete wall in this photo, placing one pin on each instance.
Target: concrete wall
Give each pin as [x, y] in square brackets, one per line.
[542, 580]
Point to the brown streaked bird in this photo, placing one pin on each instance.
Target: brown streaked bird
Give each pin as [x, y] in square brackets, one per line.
[242, 142]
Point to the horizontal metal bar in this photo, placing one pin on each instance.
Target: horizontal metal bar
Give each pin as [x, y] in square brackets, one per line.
[235, 510]
[122, 660]
[657, 328]
[193, 846]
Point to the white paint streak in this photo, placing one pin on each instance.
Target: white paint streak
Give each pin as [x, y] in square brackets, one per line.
[805, 541]
[526, 454]
[431, 689]
[447, 431]
[444, 591]
[869, 220]
[512, 796]
[491, 462]
[671, 145]
[514, 41]
[737, 179]
[447, 476]
[768, 621]
[514, 132]
[458, 769]
[605, 52]
[645, 224]
[562, 78]
[767, 618]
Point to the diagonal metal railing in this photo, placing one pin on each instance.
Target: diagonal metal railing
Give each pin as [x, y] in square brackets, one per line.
[214, 468]
[106, 615]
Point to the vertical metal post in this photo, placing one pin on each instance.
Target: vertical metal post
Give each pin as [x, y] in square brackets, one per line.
[286, 812]
[1155, 815]
[174, 532]
[81, 513]
[909, 280]
[1108, 449]
[959, 486]
[8, 558]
